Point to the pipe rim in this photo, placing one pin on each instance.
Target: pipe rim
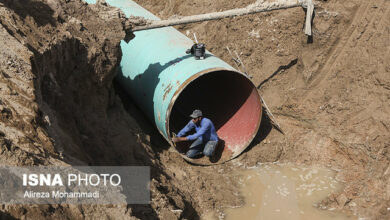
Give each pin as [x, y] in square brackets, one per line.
[183, 86]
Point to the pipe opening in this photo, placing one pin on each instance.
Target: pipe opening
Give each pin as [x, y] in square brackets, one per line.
[229, 100]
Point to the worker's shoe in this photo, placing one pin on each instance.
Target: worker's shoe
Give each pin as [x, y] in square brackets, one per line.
[213, 158]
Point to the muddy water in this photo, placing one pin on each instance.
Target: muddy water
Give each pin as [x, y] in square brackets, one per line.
[285, 192]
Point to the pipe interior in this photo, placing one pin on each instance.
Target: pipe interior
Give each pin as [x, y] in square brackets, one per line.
[229, 99]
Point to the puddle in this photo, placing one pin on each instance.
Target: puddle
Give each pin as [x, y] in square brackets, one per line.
[284, 192]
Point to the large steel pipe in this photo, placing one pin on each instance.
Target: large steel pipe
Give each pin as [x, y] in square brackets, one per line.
[167, 84]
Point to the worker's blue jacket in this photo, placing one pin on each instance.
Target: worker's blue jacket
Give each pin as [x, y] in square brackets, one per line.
[205, 131]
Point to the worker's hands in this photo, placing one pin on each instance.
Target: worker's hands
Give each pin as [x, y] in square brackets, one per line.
[175, 139]
[178, 139]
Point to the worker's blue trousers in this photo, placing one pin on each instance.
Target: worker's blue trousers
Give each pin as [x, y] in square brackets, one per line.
[200, 147]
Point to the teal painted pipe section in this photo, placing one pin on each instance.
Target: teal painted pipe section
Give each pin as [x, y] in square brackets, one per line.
[155, 65]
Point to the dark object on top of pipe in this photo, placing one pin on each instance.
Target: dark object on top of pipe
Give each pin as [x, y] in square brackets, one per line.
[198, 50]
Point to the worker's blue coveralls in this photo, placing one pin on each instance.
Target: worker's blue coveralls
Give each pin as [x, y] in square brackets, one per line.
[206, 138]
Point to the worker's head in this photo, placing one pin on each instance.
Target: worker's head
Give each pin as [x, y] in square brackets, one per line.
[196, 116]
